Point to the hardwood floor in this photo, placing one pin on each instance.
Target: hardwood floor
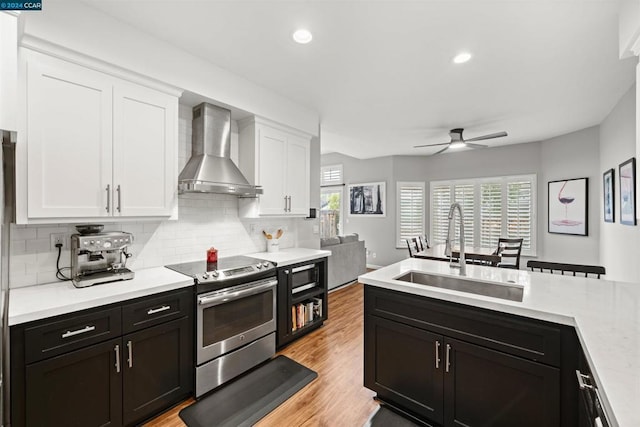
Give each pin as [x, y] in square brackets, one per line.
[335, 352]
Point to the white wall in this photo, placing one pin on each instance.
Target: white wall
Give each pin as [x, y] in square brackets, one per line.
[575, 155]
[532, 158]
[205, 220]
[619, 244]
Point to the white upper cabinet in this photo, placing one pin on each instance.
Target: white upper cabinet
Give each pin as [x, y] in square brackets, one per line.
[8, 70]
[278, 159]
[97, 146]
[145, 131]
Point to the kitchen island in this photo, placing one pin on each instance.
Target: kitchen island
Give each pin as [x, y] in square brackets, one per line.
[604, 314]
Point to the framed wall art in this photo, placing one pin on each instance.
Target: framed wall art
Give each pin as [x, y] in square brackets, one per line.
[367, 199]
[608, 195]
[627, 173]
[568, 206]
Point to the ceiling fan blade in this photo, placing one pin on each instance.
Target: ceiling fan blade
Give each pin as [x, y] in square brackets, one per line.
[468, 144]
[431, 145]
[490, 136]
[438, 152]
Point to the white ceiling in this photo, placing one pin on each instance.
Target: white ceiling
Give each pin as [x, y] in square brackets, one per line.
[380, 72]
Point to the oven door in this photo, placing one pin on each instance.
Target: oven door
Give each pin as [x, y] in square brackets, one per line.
[233, 317]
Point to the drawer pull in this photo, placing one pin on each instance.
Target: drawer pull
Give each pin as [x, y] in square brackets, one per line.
[116, 349]
[79, 331]
[448, 362]
[581, 380]
[437, 354]
[130, 348]
[158, 310]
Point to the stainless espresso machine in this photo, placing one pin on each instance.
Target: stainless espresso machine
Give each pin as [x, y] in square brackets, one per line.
[100, 258]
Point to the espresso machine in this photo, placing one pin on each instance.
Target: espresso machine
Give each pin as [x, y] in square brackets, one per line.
[100, 258]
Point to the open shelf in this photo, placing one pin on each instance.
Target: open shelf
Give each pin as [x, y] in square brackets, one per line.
[299, 284]
[309, 293]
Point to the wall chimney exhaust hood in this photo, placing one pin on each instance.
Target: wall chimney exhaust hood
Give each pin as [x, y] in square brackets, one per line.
[210, 168]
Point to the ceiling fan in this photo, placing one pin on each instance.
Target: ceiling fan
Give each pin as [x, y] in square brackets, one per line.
[457, 141]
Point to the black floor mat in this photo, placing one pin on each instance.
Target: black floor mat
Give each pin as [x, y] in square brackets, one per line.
[250, 397]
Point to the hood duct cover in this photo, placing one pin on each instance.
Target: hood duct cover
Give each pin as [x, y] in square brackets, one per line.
[210, 168]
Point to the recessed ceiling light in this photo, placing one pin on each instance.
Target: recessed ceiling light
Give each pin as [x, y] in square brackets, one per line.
[461, 58]
[456, 145]
[302, 36]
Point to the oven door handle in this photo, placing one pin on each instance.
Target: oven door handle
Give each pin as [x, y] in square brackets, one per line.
[231, 296]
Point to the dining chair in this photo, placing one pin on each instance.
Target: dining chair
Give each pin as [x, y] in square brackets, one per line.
[417, 241]
[509, 250]
[552, 267]
[412, 250]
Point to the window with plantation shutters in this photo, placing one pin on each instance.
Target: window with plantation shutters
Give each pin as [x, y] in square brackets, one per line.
[492, 207]
[440, 203]
[519, 203]
[464, 194]
[331, 175]
[410, 211]
[490, 213]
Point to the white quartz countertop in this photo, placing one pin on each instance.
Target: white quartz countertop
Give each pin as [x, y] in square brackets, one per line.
[606, 316]
[41, 301]
[291, 255]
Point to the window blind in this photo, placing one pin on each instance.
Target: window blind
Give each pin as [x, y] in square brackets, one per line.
[410, 211]
[440, 203]
[519, 202]
[490, 214]
[465, 195]
[331, 175]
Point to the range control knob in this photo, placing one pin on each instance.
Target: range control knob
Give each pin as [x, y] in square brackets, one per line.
[215, 273]
[258, 266]
[265, 264]
[205, 276]
[107, 244]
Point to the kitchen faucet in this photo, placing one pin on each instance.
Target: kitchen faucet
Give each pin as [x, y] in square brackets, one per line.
[461, 264]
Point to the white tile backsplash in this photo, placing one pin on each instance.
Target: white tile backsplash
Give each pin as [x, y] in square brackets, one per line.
[205, 220]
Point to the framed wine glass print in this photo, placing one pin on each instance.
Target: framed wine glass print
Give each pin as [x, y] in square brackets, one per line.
[627, 173]
[568, 206]
[608, 187]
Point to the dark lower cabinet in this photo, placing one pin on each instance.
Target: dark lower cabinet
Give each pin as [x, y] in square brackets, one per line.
[403, 369]
[488, 387]
[119, 381]
[156, 368]
[81, 388]
[421, 356]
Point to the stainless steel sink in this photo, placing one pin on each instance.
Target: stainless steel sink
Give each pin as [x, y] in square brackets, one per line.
[489, 289]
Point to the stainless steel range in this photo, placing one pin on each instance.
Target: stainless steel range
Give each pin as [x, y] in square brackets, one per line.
[235, 317]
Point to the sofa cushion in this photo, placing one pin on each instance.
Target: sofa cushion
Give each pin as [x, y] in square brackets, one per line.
[329, 241]
[347, 238]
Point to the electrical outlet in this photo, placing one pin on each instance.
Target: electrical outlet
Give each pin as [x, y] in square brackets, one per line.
[253, 228]
[59, 238]
[374, 255]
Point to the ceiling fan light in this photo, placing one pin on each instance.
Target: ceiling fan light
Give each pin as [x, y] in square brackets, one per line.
[302, 36]
[456, 145]
[462, 57]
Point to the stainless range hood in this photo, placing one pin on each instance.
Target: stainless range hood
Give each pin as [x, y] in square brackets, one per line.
[210, 168]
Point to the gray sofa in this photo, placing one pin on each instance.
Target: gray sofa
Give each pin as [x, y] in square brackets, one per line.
[347, 260]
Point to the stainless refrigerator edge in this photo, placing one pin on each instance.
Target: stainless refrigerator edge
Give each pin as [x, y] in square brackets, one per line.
[7, 201]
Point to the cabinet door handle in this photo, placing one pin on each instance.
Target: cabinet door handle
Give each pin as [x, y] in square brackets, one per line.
[119, 197]
[117, 350]
[86, 329]
[158, 310]
[130, 349]
[289, 203]
[581, 380]
[108, 197]
[285, 203]
[448, 364]
[437, 354]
